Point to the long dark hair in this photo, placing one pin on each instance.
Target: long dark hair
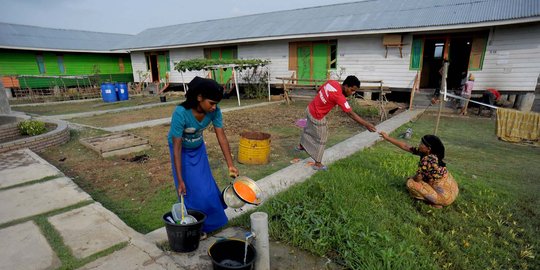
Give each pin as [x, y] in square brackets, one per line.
[207, 88]
[436, 146]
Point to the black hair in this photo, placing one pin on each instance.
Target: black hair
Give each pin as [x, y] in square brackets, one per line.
[436, 146]
[207, 88]
[351, 81]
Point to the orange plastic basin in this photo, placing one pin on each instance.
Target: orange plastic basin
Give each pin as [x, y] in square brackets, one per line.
[245, 192]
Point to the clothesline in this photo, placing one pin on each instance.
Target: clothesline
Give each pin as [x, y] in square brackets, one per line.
[470, 100]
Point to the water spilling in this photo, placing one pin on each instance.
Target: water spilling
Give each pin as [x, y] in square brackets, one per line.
[245, 248]
[231, 263]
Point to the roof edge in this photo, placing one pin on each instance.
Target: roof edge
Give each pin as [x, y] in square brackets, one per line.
[60, 50]
[348, 33]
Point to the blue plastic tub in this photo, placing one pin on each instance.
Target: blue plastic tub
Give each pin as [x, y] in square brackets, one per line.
[108, 92]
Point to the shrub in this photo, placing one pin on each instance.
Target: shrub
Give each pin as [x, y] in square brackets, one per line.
[31, 127]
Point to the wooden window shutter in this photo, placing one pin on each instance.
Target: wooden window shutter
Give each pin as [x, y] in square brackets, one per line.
[121, 67]
[417, 50]
[293, 58]
[478, 50]
[207, 53]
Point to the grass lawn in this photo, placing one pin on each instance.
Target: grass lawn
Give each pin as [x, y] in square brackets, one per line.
[139, 115]
[359, 213]
[89, 106]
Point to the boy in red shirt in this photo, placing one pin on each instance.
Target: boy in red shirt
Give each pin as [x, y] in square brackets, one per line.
[315, 133]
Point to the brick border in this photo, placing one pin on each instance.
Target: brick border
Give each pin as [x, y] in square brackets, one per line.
[40, 142]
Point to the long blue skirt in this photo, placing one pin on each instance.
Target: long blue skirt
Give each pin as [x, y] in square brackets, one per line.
[202, 192]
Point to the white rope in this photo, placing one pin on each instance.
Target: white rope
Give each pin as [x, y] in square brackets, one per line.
[462, 98]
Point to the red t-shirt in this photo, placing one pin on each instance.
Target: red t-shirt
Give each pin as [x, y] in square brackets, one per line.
[328, 96]
[495, 93]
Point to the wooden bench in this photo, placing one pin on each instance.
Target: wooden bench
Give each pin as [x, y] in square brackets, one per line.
[369, 86]
[292, 83]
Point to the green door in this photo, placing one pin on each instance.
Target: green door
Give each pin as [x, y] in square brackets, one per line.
[216, 74]
[320, 61]
[162, 66]
[304, 64]
[226, 74]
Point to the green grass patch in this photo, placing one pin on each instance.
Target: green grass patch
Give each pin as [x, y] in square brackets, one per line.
[44, 179]
[47, 214]
[360, 214]
[64, 252]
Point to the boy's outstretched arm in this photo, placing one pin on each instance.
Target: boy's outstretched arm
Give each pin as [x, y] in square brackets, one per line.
[361, 121]
[395, 142]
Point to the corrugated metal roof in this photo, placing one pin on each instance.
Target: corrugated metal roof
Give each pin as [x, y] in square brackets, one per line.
[371, 15]
[24, 36]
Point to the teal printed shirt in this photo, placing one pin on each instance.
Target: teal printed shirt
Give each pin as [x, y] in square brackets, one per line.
[184, 125]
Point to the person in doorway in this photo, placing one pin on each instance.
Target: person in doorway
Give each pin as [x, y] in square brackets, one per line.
[432, 182]
[315, 133]
[190, 167]
[466, 93]
[435, 98]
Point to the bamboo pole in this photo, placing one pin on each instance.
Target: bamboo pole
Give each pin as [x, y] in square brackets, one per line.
[413, 90]
[236, 85]
[441, 101]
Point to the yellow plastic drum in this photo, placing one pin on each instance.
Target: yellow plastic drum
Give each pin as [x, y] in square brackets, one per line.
[254, 148]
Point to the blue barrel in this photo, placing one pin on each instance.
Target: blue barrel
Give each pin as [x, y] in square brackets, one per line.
[108, 93]
[122, 91]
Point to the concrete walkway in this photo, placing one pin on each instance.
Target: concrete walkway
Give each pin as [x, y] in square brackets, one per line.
[38, 202]
[149, 123]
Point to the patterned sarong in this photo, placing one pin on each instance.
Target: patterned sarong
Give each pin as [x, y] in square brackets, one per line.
[202, 192]
[440, 192]
[314, 137]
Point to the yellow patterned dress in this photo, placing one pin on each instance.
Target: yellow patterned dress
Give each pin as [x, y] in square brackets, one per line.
[437, 186]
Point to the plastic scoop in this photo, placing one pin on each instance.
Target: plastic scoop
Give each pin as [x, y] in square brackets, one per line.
[180, 213]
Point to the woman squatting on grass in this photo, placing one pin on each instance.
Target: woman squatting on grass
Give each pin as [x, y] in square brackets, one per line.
[190, 167]
[315, 133]
[432, 182]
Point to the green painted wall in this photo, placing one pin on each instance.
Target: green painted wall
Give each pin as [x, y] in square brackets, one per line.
[107, 66]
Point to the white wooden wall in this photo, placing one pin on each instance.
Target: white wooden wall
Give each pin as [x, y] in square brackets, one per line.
[363, 56]
[177, 55]
[512, 60]
[138, 63]
[275, 51]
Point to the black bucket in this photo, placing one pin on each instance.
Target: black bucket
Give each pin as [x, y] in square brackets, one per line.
[184, 238]
[163, 99]
[229, 254]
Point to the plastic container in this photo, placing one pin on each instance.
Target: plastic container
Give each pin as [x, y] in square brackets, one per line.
[122, 91]
[108, 92]
[229, 254]
[241, 191]
[184, 238]
[254, 148]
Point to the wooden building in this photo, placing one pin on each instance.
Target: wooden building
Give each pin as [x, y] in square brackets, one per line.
[36, 57]
[388, 40]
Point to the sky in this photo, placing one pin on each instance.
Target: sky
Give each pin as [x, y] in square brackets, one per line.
[134, 16]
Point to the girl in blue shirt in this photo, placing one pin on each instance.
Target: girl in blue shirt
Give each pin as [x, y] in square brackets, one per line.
[190, 167]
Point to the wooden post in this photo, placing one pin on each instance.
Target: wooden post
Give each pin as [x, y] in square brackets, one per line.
[236, 85]
[441, 101]
[268, 76]
[413, 90]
